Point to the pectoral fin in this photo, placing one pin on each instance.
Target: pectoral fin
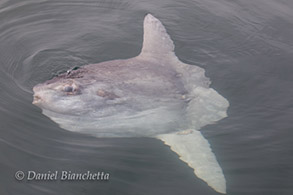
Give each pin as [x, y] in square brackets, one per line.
[195, 150]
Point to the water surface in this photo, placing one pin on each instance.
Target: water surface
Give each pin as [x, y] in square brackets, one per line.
[246, 48]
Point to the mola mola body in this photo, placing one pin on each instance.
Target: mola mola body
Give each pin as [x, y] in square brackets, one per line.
[151, 95]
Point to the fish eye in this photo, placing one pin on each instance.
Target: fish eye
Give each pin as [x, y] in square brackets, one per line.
[68, 89]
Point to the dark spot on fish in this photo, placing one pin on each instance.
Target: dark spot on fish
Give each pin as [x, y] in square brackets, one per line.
[78, 72]
[72, 69]
[75, 73]
[106, 94]
[68, 89]
[75, 68]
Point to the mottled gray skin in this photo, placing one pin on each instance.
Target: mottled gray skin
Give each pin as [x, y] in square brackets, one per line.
[150, 94]
[129, 89]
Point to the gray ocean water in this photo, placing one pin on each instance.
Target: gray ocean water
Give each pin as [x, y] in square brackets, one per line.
[246, 48]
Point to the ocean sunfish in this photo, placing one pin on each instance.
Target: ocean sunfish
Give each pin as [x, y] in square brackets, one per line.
[151, 95]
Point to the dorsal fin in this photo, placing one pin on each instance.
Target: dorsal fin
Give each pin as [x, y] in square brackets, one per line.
[156, 41]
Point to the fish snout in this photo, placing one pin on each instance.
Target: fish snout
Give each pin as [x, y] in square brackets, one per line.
[39, 95]
[37, 99]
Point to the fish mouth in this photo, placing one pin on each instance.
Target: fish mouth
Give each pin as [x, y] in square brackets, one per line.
[37, 100]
